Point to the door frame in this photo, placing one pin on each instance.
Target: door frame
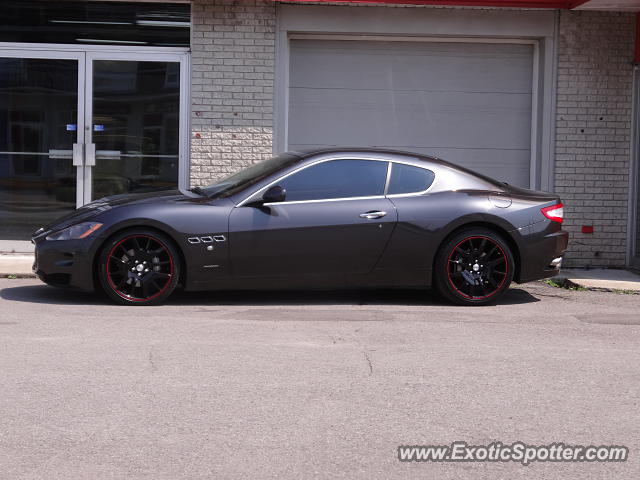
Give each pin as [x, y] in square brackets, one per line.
[85, 54]
[633, 238]
[184, 127]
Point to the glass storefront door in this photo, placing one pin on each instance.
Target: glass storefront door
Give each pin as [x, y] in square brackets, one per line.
[76, 126]
[134, 118]
[40, 126]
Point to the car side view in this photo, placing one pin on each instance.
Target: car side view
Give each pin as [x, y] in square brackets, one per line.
[324, 219]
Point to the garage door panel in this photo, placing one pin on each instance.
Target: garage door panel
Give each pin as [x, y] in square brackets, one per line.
[413, 66]
[410, 118]
[466, 102]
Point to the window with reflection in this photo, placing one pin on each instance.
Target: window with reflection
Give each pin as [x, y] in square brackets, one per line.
[38, 117]
[409, 179]
[136, 116]
[336, 179]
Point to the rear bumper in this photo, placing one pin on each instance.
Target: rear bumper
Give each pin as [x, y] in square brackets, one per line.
[65, 263]
[542, 252]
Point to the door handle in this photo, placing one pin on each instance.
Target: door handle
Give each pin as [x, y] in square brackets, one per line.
[373, 214]
[108, 154]
[90, 155]
[78, 154]
[54, 154]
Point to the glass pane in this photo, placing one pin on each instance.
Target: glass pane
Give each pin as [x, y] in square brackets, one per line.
[409, 179]
[38, 115]
[337, 179]
[117, 23]
[136, 113]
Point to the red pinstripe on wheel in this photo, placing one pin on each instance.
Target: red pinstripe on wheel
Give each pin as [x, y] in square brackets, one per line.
[125, 276]
[483, 274]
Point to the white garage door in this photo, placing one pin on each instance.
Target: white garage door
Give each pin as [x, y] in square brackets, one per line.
[469, 103]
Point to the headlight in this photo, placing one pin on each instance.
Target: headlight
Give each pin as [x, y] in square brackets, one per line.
[81, 230]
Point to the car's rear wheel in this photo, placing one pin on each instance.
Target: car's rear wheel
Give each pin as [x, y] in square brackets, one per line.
[139, 267]
[474, 267]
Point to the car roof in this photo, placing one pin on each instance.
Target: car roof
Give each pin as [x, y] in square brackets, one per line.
[306, 153]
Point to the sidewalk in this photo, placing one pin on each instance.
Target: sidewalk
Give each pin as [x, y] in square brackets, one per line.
[606, 279]
[18, 264]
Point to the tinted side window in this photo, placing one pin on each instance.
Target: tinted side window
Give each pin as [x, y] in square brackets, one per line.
[336, 179]
[409, 179]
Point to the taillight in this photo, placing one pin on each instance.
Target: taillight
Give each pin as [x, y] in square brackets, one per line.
[555, 213]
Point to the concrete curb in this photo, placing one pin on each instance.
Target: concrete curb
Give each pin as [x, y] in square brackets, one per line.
[13, 265]
[573, 283]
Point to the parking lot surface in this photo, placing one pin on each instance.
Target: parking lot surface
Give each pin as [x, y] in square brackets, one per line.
[311, 385]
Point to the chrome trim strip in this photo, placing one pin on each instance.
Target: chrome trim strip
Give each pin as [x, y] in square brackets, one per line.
[293, 202]
[411, 194]
[386, 183]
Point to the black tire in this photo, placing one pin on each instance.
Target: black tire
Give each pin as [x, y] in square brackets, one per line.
[139, 267]
[474, 267]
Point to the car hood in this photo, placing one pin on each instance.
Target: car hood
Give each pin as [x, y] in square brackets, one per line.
[106, 203]
[131, 198]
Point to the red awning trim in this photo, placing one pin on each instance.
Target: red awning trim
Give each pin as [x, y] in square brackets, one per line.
[561, 4]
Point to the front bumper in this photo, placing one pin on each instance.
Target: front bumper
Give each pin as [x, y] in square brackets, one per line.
[65, 263]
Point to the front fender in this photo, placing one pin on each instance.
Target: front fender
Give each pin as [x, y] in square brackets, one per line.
[204, 261]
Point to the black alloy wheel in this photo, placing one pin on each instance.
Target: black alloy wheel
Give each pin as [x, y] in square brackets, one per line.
[475, 267]
[139, 268]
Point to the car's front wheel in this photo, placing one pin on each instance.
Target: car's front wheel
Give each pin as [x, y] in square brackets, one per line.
[474, 267]
[139, 267]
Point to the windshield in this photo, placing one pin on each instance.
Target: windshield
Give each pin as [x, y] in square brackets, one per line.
[249, 176]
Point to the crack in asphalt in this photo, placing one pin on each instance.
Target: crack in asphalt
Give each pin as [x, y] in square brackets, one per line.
[366, 356]
[152, 362]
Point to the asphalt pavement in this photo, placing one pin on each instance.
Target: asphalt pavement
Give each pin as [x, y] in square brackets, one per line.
[299, 385]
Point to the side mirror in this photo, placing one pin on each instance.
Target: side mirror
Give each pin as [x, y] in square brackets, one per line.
[274, 194]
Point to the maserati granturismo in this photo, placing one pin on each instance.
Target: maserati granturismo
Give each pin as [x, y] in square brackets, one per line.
[329, 218]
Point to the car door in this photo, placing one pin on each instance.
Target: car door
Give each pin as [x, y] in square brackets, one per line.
[333, 221]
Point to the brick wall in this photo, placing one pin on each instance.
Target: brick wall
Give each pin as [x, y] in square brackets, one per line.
[233, 65]
[593, 132]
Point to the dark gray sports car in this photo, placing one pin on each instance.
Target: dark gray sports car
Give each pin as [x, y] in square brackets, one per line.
[330, 218]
